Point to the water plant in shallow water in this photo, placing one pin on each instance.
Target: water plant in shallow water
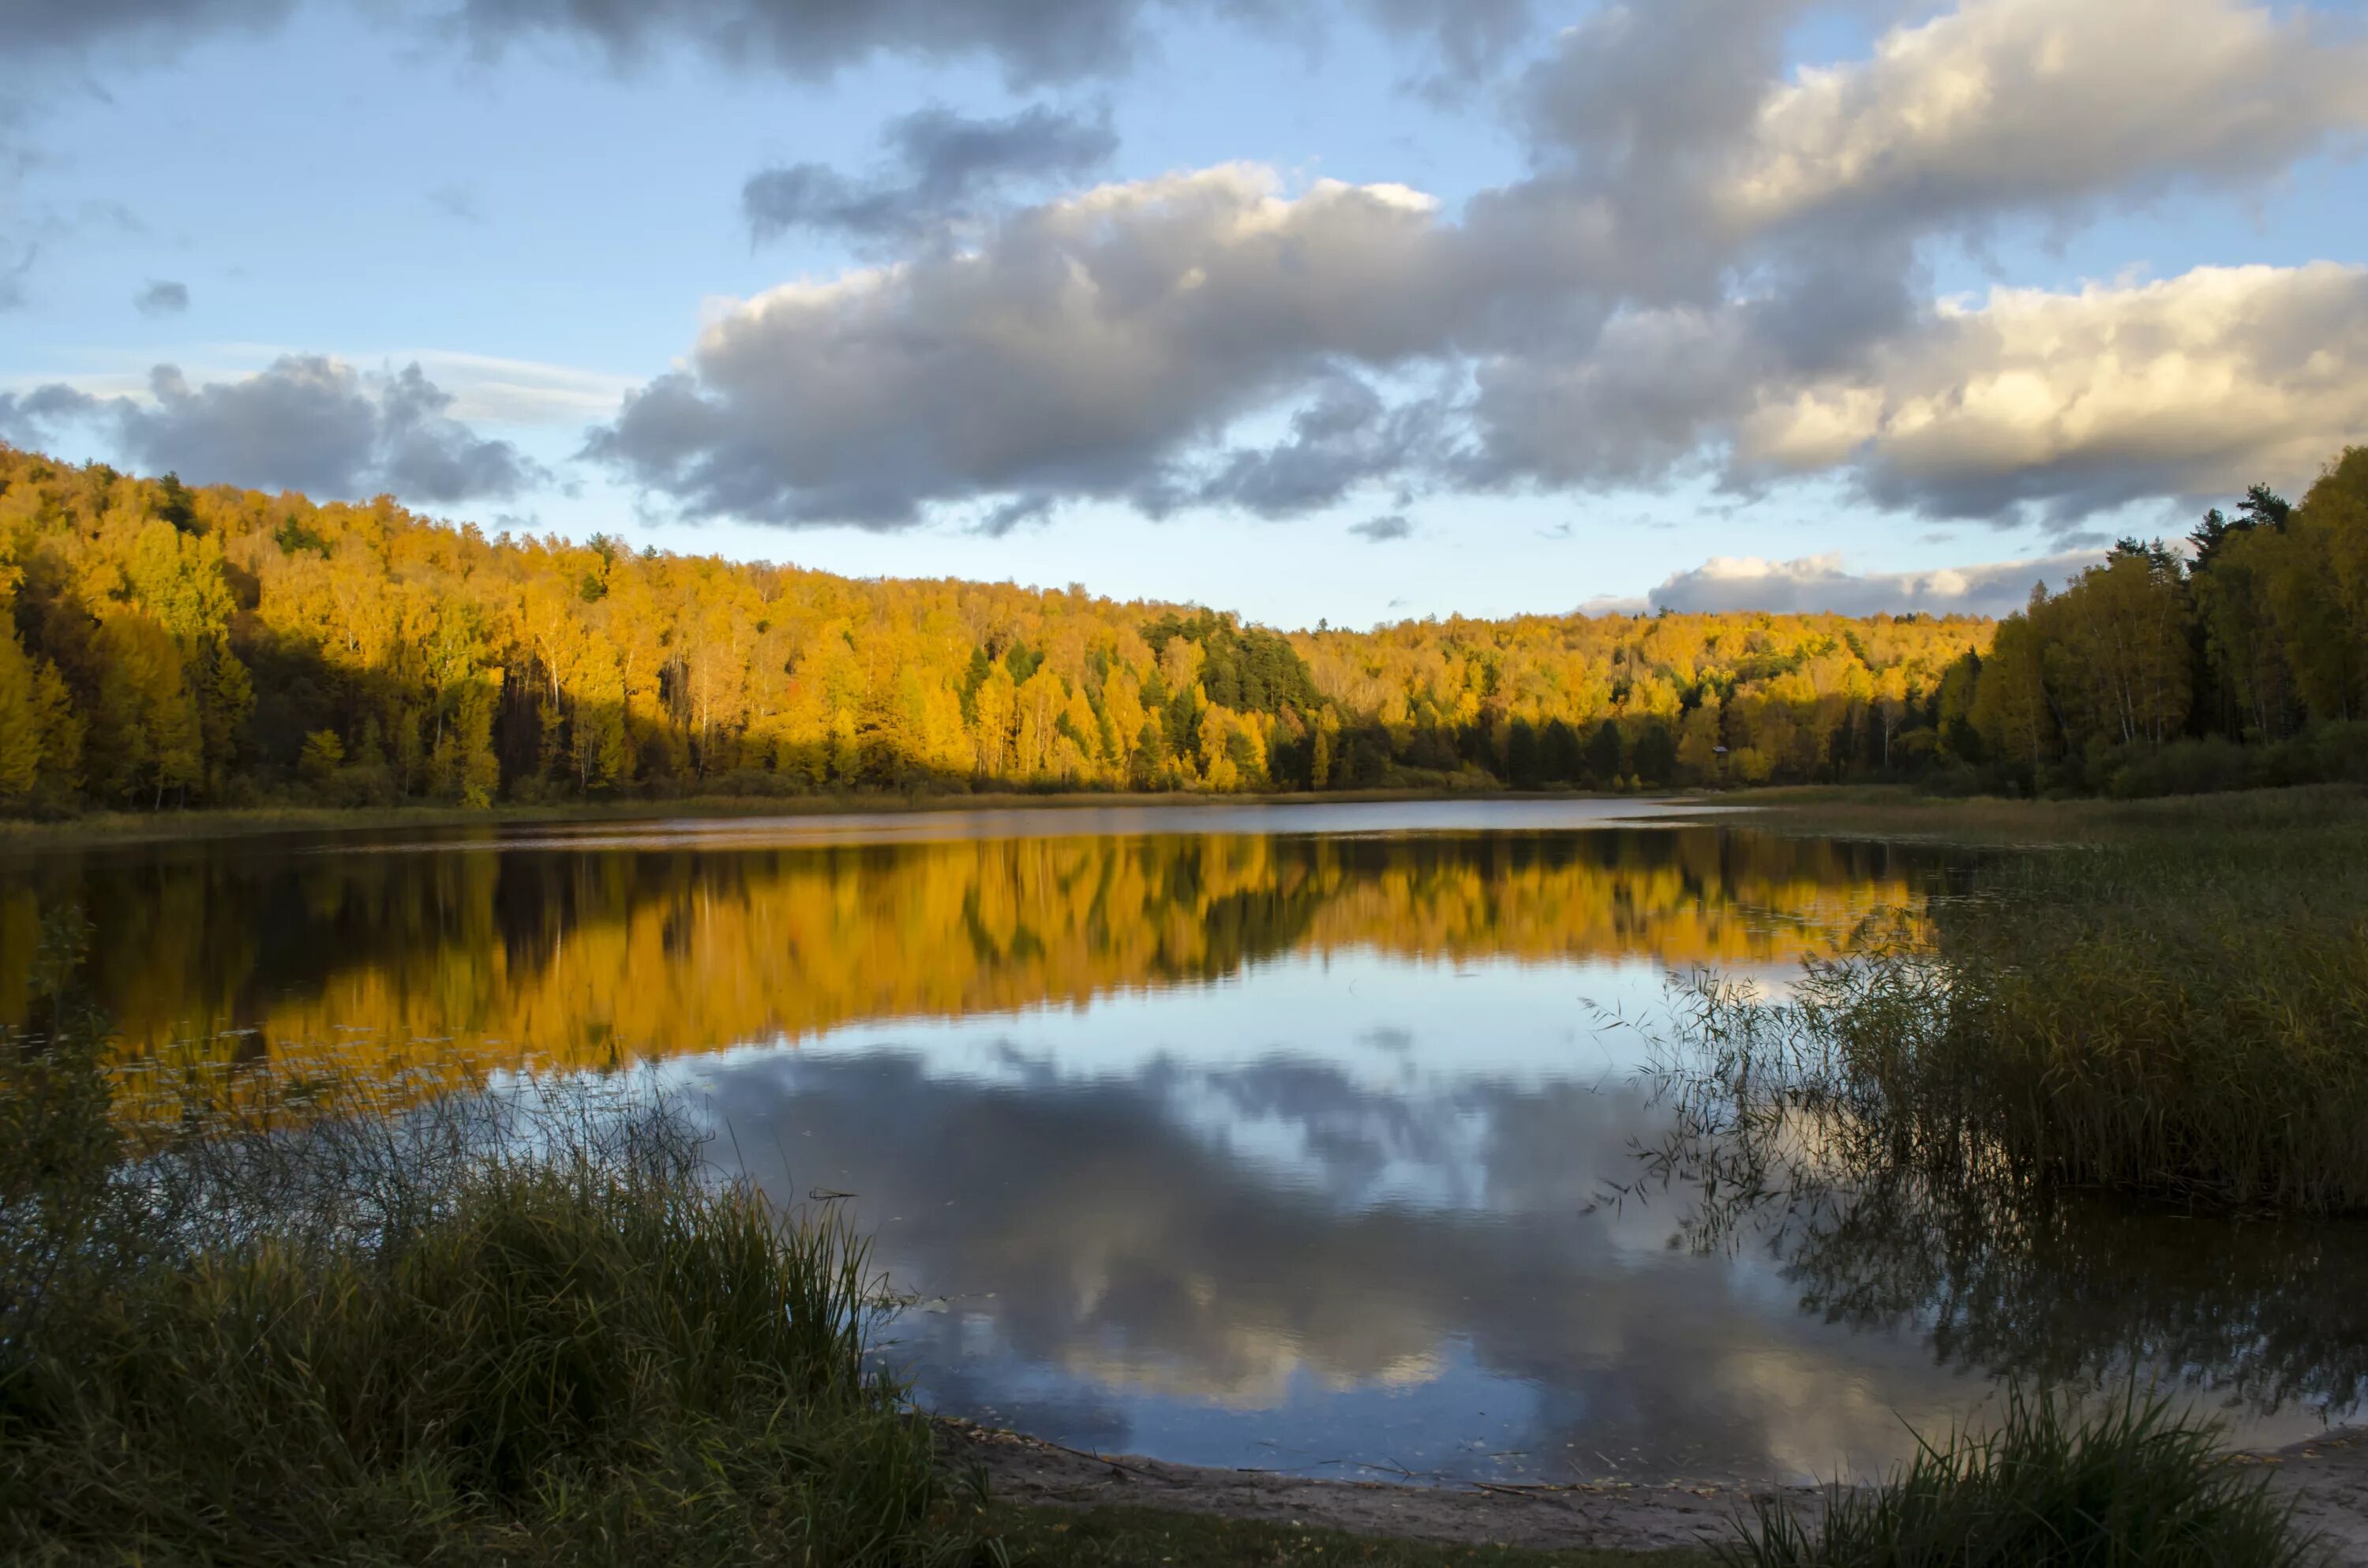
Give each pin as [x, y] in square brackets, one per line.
[2181, 1017]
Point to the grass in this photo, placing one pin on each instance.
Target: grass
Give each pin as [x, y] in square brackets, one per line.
[1898, 811]
[1146, 1537]
[2128, 1485]
[2179, 1014]
[514, 1330]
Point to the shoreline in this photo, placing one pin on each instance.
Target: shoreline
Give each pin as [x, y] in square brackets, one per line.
[1033, 1472]
[1894, 813]
[2324, 1478]
[201, 825]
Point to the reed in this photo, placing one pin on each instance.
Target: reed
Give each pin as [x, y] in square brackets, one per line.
[2182, 1016]
[520, 1328]
[2050, 1486]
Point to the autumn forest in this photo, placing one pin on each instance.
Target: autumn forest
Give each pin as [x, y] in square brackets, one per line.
[166, 646]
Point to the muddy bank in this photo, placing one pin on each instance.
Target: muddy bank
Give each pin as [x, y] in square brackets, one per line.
[2328, 1478]
[1641, 1518]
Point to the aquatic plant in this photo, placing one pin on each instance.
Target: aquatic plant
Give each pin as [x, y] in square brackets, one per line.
[2050, 1486]
[2178, 1016]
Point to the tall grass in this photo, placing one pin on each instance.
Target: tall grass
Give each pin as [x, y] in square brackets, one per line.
[2178, 1016]
[519, 1328]
[2128, 1485]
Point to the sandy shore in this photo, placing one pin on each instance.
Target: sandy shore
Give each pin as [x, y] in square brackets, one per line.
[2327, 1479]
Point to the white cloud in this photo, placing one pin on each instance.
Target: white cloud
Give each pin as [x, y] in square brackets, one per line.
[1080, 349]
[2012, 104]
[2197, 384]
[490, 390]
[484, 389]
[1821, 584]
[1711, 267]
[304, 422]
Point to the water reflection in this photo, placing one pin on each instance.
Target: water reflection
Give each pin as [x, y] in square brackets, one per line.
[1239, 1137]
[576, 952]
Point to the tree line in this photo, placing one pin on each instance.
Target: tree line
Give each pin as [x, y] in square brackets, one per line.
[2241, 660]
[165, 646]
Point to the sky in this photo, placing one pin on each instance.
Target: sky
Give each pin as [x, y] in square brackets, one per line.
[1345, 310]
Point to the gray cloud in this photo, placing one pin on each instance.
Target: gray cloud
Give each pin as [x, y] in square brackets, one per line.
[2023, 104]
[1713, 266]
[1347, 436]
[1463, 40]
[1381, 531]
[1034, 41]
[27, 418]
[162, 297]
[1819, 583]
[458, 202]
[16, 261]
[1018, 512]
[305, 423]
[29, 26]
[1081, 350]
[948, 169]
[2076, 402]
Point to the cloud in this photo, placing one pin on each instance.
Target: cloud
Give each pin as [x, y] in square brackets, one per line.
[948, 168]
[458, 202]
[162, 297]
[1381, 531]
[1082, 348]
[16, 261]
[1761, 236]
[2194, 385]
[26, 418]
[1018, 512]
[1713, 268]
[1346, 436]
[1819, 583]
[305, 423]
[490, 390]
[2006, 104]
[1464, 40]
[28, 27]
[1034, 41]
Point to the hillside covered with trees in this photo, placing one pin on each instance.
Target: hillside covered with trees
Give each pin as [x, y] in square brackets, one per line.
[2243, 660]
[164, 646]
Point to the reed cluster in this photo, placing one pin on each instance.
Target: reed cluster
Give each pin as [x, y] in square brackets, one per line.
[2182, 1016]
[2049, 1486]
[519, 1328]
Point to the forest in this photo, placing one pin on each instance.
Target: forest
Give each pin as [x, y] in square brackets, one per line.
[165, 646]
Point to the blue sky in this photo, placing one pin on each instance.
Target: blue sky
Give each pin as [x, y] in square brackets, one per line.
[547, 220]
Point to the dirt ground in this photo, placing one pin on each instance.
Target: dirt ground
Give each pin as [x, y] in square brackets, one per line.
[2328, 1478]
[1025, 1469]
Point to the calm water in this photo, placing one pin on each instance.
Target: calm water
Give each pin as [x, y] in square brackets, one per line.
[1246, 1136]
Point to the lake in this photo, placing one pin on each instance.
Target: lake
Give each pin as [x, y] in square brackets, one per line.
[1280, 1136]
